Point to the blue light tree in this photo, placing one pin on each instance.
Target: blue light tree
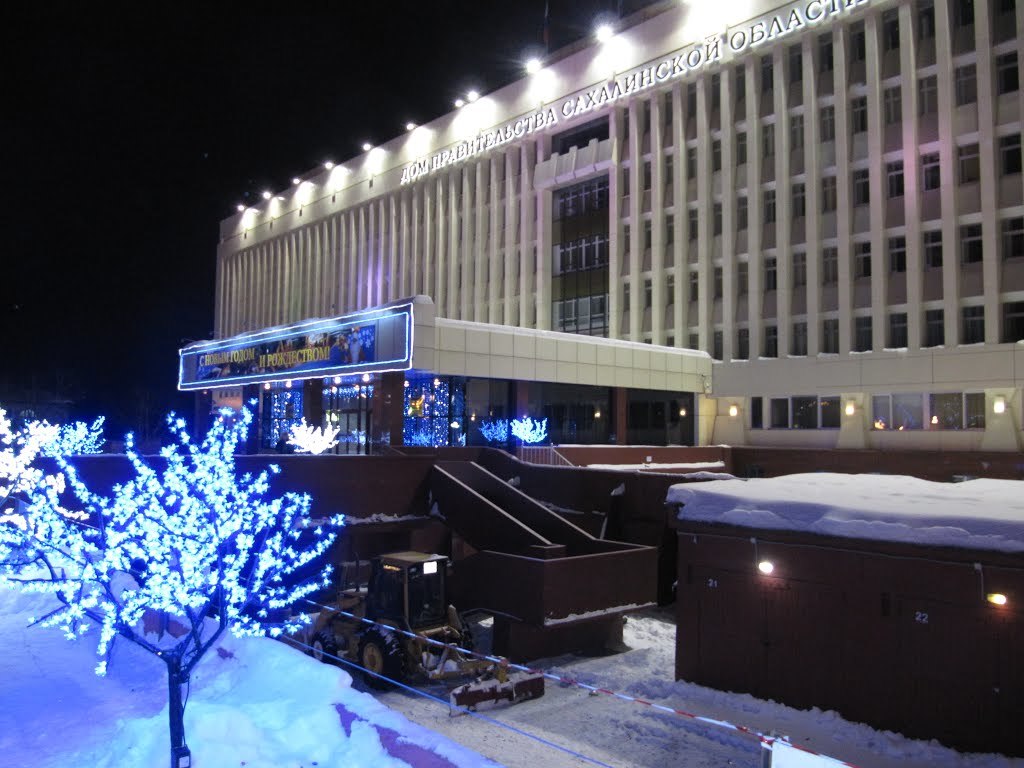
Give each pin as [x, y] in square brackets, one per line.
[190, 541]
[529, 431]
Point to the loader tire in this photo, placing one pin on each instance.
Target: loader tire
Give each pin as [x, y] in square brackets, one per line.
[324, 647]
[384, 659]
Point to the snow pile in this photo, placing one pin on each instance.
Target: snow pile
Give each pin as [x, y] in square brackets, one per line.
[980, 514]
[253, 702]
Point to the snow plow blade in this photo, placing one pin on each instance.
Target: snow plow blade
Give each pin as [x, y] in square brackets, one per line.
[516, 686]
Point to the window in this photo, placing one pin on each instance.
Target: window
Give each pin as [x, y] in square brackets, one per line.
[796, 64]
[670, 230]
[694, 286]
[974, 410]
[830, 336]
[930, 174]
[691, 220]
[897, 330]
[932, 249]
[756, 413]
[934, 328]
[770, 274]
[716, 91]
[796, 133]
[716, 345]
[894, 177]
[898, 412]
[691, 162]
[893, 105]
[805, 412]
[891, 30]
[798, 343]
[768, 141]
[897, 254]
[970, 165]
[646, 176]
[743, 344]
[827, 118]
[1013, 238]
[779, 412]
[718, 282]
[859, 114]
[694, 341]
[861, 187]
[1007, 75]
[625, 297]
[966, 84]
[828, 194]
[799, 201]
[829, 266]
[829, 412]
[862, 334]
[741, 278]
[766, 74]
[648, 294]
[691, 100]
[716, 155]
[1013, 321]
[625, 184]
[771, 341]
[825, 53]
[799, 269]
[857, 47]
[647, 234]
[769, 206]
[970, 244]
[741, 212]
[741, 85]
[1009, 154]
[926, 21]
[964, 13]
[668, 166]
[741, 149]
[973, 330]
[670, 291]
[928, 95]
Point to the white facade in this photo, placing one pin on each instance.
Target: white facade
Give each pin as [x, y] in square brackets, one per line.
[824, 195]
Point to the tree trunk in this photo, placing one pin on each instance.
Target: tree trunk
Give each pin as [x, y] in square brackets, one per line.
[180, 756]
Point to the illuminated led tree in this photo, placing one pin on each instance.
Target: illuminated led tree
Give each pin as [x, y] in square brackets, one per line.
[188, 540]
[309, 439]
[75, 439]
[494, 431]
[530, 431]
[19, 449]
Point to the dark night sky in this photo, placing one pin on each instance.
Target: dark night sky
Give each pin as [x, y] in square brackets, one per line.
[128, 131]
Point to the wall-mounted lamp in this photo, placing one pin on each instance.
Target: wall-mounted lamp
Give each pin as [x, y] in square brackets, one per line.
[597, 413]
[999, 404]
[410, 126]
[288, 384]
[367, 146]
[604, 33]
[682, 411]
[366, 378]
[851, 408]
[996, 598]
[296, 180]
[733, 411]
[766, 567]
[328, 164]
[267, 194]
[533, 66]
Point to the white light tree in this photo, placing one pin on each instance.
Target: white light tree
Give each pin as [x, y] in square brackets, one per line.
[530, 431]
[188, 540]
[315, 440]
[75, 439]
[19, 449]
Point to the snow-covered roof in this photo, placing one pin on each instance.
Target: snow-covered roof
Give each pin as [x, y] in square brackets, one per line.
[977, 514]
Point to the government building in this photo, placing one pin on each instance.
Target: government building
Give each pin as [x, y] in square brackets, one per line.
[739, 222]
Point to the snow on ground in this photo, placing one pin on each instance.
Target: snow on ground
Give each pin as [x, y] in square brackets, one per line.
[628, 735]
[980, 514]
[253, 702]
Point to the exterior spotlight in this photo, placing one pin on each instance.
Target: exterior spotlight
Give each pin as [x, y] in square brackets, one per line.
[999, 405]
[766, 567]
[459, 103]
[266, 194]
[472, 96]
[367, 146]
[604, 33]
[996, 598]
[533, 66]
[241, 208]
[733, 411]
[597, 414]
[850, 408]
[328, 165]
[682, 411]
[410, 126]
[296, 180]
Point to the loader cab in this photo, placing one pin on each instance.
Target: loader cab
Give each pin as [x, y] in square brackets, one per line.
[408, 588]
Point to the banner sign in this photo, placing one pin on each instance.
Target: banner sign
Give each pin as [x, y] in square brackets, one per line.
[351, 344]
